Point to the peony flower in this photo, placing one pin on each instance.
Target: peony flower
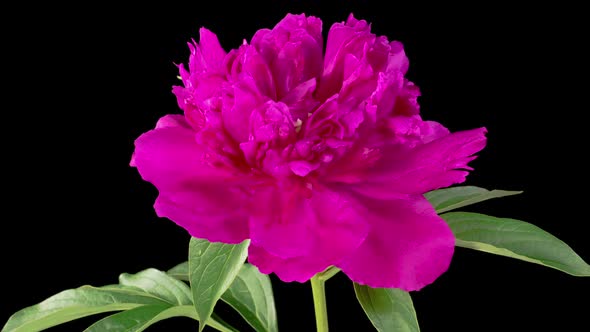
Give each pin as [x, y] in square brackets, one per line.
[321, 159]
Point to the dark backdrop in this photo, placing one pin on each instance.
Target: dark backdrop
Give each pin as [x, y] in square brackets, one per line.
[85, 80]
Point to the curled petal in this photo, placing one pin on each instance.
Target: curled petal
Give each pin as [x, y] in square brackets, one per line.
[344, 37]
[394, 95]
[247, 63]
[300, 100]
[272, 122]
[238, 105]
[397, 60]
[293, 50]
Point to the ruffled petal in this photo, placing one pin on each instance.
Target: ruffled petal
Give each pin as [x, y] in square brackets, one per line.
[207, 55]
[415, 170]
[212, 52]
[238, 107]
[302, 239]
[293, 51]
[346, 45]
[408, 245]
[343, 37]
[300, 100]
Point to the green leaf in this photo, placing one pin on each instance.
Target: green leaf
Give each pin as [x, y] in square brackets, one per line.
[213, 266]
[159, 284]
[389, 309]
[251, 295]
[140, 318]
[516, 239]
[449, 199]
[218, 323]
[179, 272]
[77, 303]
[132, 320]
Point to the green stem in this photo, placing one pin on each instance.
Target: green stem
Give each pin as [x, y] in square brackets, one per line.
[328, 273]
[319, 303]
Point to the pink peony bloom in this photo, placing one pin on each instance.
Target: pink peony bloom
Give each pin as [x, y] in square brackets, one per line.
[319, 158]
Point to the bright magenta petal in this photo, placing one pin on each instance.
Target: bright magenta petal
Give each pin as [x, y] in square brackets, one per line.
[212, 52]
[282, 221]
[297, 237]
[169, 156]
[211, 212]
[408, 245]
[197, 191]
[238, 108]
[298, 269]
[437, 164]
[293, 51]
[172, 120]
[300, 100]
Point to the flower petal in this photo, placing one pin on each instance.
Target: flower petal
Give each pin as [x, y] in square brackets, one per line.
[282, 221]
[300, 100]
[212, 52]
[345, 42]
[293, 50]
[313, 233]
[197, 191]
[169, 156]
[207, 55]
[238, 107]
[172, 120]
[416, 170]
[208, 211]
[342, 36]
[299, 269]
[408, 245]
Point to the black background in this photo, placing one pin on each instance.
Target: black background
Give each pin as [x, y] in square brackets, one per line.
[85, 80]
